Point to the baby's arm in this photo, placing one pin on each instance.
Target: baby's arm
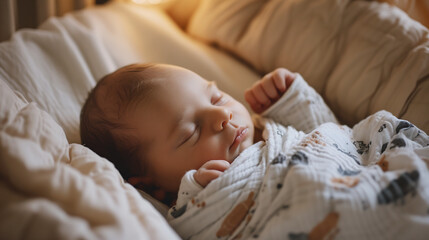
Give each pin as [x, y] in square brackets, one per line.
[195, 180]
[296, 104]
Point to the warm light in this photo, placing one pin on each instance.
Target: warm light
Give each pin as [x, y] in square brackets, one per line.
[150, 1]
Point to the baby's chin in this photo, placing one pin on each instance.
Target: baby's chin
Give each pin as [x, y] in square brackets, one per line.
[242, 147]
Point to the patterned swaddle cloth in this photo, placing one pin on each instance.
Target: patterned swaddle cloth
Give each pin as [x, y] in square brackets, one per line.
[369, 182]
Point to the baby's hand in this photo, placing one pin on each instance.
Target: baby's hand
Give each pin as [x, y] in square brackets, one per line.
[269, 89]
[209, 171]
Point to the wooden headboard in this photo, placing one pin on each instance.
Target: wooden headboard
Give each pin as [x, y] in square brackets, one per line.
[16, 14]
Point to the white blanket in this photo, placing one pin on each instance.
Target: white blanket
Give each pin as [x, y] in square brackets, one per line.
[369, 182]
[50, 189]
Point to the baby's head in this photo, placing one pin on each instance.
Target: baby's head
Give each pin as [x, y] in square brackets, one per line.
[160, 121]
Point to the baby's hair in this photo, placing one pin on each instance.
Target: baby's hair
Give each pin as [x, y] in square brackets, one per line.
[101, 128]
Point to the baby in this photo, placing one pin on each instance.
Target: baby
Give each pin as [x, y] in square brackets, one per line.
[155, 122]
[168, 127]
[160, 121]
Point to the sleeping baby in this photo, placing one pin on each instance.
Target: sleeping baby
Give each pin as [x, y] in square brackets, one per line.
[291, 172]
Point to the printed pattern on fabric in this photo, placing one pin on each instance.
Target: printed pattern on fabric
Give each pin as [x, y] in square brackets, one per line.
[332, 183]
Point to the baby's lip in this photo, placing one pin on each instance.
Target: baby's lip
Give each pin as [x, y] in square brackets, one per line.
[239, 137]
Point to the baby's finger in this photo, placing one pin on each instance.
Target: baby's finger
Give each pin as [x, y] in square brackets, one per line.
[279, 82]
[251, 99]
[204, 176]
[289, 79]
[270, 89]
[261, 96]
[253, 102]
[220, 165]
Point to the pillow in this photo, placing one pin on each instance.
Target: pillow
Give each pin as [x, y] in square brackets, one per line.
[55, 190]
[361, 56]
[182, 10]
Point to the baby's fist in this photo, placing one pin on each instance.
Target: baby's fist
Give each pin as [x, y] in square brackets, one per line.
[209, 171]
[269, 89]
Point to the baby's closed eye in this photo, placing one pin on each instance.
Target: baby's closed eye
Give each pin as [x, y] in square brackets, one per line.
[189, 134]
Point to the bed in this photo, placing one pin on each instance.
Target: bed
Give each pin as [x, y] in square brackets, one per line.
[52, 187]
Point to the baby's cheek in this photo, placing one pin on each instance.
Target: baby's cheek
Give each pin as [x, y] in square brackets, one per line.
[216, 150]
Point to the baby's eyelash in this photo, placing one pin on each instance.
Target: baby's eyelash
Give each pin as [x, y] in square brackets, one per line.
[220, 100]
[198, 133]
[215, 99]
[190, 136]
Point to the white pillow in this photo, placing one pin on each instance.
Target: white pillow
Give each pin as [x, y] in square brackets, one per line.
[361, 56]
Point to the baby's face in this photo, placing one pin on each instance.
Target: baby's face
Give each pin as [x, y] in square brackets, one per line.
[187, 122]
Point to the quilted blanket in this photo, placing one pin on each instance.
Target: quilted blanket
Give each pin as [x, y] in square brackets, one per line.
[369, 182]
[357, 54]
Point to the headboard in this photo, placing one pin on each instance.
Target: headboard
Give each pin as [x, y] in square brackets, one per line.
[16, 14]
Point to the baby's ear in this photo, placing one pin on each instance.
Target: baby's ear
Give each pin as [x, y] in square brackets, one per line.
[140, 180]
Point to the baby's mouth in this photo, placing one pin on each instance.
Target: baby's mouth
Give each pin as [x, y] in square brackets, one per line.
[240, 135]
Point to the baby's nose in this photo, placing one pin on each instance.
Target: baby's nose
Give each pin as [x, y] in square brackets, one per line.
[222, 118]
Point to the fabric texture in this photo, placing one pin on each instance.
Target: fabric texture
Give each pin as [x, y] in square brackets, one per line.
[368, 182]
[361, 56]
[188, 188]
[55, 190]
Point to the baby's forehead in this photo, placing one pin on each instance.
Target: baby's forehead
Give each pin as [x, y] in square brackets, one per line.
[154, 82]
